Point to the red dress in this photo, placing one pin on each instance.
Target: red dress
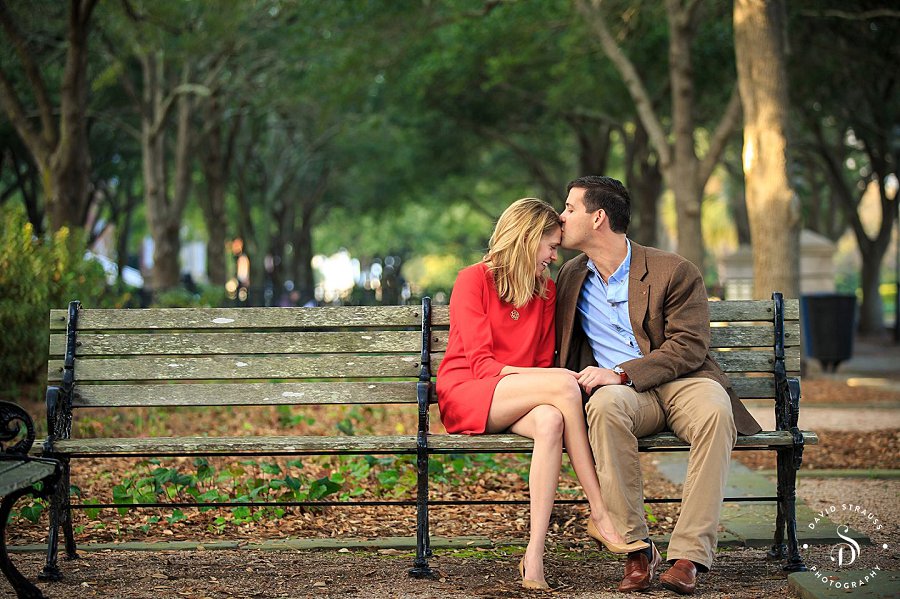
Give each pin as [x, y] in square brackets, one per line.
[487, 334]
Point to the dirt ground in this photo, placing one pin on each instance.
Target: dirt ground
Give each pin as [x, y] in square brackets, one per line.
[230, 574]
[573, 566]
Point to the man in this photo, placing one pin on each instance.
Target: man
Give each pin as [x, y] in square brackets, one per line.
[634, 322]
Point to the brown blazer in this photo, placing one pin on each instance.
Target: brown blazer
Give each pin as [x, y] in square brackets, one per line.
[667, 303]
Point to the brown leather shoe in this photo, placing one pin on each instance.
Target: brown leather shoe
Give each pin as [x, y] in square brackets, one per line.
[639, 572]
[681, 577]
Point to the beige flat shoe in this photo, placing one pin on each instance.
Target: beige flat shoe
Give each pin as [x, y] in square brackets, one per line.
[535, 585]
[614, 547]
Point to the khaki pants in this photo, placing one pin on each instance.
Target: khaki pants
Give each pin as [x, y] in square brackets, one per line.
[698, 411]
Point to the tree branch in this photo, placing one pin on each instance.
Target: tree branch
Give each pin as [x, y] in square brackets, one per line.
[16, 113]
[864, 15]
[719, 140]
[33, 73]
[631, 79]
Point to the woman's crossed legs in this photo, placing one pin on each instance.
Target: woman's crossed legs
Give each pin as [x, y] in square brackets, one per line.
[547, 407]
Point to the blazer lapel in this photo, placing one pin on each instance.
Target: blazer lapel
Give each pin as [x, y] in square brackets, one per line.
[638, 295]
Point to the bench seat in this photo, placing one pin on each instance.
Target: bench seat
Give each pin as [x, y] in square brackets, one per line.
[23, 473]
[398, 444]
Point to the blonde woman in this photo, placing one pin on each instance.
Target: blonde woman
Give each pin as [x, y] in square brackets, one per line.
[496, 373]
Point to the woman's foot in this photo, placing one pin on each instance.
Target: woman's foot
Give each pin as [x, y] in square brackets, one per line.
[606, 536]
[532, 573]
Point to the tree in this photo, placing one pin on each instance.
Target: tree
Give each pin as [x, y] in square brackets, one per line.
[772, 206]
[850, 111]
[684, 172]
[59, 141]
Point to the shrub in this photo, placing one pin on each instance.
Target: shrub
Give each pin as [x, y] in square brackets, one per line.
[37, 274]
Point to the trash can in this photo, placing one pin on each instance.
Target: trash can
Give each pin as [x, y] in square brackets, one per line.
[829, 324]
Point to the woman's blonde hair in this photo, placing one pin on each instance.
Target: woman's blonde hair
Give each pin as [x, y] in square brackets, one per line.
[513, 249]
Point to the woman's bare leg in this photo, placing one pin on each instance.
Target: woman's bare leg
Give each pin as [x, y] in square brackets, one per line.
[517, 394]
[544, 424]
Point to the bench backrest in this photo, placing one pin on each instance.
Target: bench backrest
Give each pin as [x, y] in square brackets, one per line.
[326, 355]
[239, 356]
[742, 342]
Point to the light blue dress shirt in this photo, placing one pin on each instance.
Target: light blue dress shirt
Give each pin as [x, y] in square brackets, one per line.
[603, 307]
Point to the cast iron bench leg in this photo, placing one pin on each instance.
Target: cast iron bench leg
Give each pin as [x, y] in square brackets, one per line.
[60, 514]
[787, 514]
[24, 589]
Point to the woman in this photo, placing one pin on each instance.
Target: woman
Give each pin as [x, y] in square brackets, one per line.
[495, 375]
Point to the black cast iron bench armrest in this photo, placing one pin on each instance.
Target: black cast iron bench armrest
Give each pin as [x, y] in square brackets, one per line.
[20, 475]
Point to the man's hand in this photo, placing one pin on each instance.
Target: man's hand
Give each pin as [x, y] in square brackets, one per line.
[593, 376]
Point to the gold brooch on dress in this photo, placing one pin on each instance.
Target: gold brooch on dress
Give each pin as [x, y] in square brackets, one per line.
[514, 314]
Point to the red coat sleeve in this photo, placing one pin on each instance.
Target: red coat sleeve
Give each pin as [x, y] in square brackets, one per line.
[469, 303]
[545, 352]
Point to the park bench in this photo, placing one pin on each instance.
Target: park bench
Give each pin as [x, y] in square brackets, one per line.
[124, 359]
[20, 475]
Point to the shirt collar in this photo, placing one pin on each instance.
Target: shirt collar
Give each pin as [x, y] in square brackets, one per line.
[617, 286]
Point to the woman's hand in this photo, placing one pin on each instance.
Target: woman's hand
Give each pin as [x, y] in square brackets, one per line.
[593, 376]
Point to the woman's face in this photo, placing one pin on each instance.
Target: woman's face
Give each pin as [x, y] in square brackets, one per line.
[546, 253]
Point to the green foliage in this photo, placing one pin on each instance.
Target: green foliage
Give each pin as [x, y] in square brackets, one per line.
[37, 274]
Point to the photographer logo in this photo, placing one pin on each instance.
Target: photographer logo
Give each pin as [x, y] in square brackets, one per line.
[845, 554]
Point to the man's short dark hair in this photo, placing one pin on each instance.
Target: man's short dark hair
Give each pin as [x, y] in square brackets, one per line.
[607, 194]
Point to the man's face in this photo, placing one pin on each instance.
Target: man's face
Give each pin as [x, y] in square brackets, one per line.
[577, 223]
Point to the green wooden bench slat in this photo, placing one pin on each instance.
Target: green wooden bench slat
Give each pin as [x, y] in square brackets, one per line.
[730, 361]
[241, 367]
[6, 465]
[508, 442]
[237, 445]
[119, 344]
[234, 342]
[730, 336]
[303, 444]
[730, 311]
[762, 387]
[232, 394]
[23, 475]
[241, 318]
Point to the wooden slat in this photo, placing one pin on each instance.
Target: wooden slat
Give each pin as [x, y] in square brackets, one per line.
[242, 318]
[730, 361]
[233, 394]
[728, 311]
[202, 343]
[502, 443]
[94, 344]
[24, 474]
[236, 445]
[753, 387]
[241, 368]
[729, 336]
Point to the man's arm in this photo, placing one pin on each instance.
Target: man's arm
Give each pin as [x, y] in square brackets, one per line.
[679, 337]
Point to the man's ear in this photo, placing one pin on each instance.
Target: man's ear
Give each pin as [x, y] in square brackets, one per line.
[599, 217]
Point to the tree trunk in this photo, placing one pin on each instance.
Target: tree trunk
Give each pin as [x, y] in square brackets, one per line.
[164, 215]
[60, 149]
[216, 164]
[645, 183]
[772, 206]
[303, 255]
[682, 173]
[871, 309]
[593, 145]
[303, 246]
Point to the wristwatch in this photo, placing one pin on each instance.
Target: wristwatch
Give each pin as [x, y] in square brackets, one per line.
[624, 379]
